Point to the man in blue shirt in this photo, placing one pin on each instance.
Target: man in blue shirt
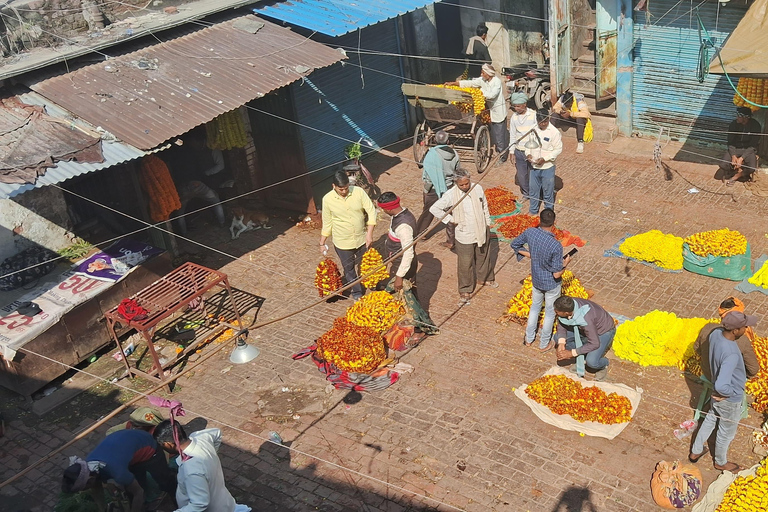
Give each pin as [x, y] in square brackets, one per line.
[729, 377]
[125, 457]
[547, 267]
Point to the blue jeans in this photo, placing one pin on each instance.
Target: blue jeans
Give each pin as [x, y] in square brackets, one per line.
[541, 184]
[729, 414]
[523, 168]
[350, 262]
[596, 359]
[547, 298]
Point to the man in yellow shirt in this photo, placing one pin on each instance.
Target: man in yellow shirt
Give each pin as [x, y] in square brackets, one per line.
[344, 210]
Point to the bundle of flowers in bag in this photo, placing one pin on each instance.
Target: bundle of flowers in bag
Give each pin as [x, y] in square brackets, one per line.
[675, 485]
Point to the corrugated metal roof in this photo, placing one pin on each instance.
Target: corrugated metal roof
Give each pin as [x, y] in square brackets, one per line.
[114, 153]
[337, 17]
[197, 77]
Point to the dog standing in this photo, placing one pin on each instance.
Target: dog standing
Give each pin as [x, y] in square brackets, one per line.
[244, 220]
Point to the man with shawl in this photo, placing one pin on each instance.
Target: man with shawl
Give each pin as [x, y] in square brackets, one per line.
[440, 164]
[472, 223]
[585, 332]
[477, 52]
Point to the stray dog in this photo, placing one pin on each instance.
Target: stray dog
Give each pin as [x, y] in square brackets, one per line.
[244, 220]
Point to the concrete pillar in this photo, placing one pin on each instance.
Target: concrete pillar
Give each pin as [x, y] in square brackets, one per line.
[624, 67]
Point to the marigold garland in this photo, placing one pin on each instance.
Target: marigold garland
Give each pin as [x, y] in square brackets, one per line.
[566, 396]
[377, 310]
[156, 181]
[665, 251]
[747, 493]
[718, 242]
[658, 338]
[519, 306]
[227, 131]
[351, 347]
[371, 260]
[757, 386]
[327, 277]
[500, 200]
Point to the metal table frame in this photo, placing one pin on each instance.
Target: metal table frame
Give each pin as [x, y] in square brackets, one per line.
[162, 299]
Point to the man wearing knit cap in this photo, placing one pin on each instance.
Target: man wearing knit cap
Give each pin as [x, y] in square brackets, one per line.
[740, 161]
[728, 378]
[490, 84]
[402, 229]
[522, 121]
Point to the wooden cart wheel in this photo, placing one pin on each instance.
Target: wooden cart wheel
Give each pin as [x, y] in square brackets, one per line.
[482, 148]
[420, 141]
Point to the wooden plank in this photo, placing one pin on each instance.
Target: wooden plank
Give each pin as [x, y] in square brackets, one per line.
[435, 93]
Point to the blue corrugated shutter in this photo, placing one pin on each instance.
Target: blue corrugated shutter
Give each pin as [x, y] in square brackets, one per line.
[372, 105]
[665, 90]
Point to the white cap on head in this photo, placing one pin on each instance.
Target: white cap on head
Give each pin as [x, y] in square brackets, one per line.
[488, 69]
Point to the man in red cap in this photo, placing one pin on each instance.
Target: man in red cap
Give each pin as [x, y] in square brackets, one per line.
[402, 228]
[729, 377]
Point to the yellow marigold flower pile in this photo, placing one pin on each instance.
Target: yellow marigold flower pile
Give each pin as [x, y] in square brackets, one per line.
[520, 305]
[567, 397]
[351, 347]
[377, 310]
[760, 278]
[665, 251]
[658, 339]
[500, 200]
[718, 242]
[327, 277]
[478, 100]
[747, 493]
[371, 260]
[757, 386]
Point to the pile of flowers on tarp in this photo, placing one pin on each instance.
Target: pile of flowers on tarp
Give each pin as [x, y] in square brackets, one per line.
[519, 305]
[567, 397]
[718, 242]
[747, 493]
[663, 250]
[500, 201]
[351, 347]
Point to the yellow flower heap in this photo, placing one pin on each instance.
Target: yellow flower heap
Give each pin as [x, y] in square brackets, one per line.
[371, 260]
[658, 339]
[757, 386]
[760, 278]
[665, 251]
[719, 242]
[747, 493]
[351, 347]
[377, 310]
[478, 100]
[519, 305]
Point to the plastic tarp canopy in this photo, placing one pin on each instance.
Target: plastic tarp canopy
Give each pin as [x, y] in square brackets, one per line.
[745, 52]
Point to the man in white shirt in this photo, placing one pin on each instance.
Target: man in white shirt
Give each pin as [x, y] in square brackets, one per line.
[493, 92]
[472, 221]
[523, 120]
[201, 485]
[542, 179]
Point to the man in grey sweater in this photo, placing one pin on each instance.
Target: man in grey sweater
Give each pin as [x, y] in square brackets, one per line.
[729, 378]
[596, 330]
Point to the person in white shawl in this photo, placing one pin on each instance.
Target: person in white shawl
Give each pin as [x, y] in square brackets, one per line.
[472, 221]
[201, 486]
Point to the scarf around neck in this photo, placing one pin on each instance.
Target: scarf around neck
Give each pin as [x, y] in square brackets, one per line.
[478, 215]
[577, 320]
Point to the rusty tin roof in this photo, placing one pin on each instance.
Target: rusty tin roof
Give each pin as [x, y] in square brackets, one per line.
[146, 97]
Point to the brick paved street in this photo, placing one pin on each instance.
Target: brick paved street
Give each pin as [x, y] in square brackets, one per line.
[450, 435]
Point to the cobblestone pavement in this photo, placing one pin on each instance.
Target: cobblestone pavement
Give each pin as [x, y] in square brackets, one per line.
[450, 435]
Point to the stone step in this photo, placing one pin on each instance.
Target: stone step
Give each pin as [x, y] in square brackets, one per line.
[604, 129]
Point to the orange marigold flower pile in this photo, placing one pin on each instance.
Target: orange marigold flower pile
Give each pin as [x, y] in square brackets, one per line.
[351, 347]
[718, 242]
[512, 227]
[500, 200]
[567, 397]
[327, 277]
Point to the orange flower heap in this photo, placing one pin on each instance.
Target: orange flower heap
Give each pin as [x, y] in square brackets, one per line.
[327, 277]
[757, 386]
[351, 347]
[719, 242]
[512, 227]
[565, 396]
[500, 200]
